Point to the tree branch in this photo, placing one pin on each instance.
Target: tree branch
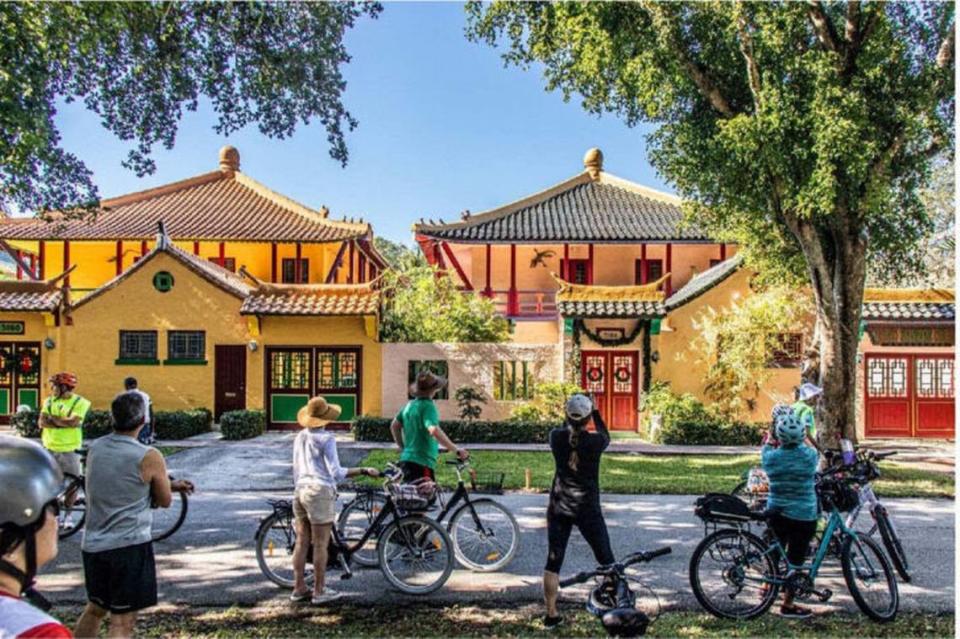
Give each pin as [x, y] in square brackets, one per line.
[746, 48]
[945, 53]
[822, 26]
[852, 25]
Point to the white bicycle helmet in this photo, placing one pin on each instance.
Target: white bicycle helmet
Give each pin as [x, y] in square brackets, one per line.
[789, 430]
[578, 408]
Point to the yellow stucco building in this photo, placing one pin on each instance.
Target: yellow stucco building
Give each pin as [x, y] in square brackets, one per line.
[213, 292]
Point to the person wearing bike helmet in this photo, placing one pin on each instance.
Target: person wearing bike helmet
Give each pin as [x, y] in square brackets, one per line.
[61, 422]
[770, 437]
[31, 480]
[804, 409]
[575, 495]
[791, 471]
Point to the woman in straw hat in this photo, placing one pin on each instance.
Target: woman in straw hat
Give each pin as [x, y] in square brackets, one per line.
[316, 473]
[416, 430]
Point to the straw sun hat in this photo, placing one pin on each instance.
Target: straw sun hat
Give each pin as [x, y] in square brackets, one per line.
[317, 413]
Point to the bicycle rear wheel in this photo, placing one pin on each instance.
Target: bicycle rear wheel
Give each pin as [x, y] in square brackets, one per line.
[891, 541]
[487, 542]
[354, 520]
[733, 576]
[275, 541]
[167, 521]
[870, 578]
[416, 555]
[72, 516]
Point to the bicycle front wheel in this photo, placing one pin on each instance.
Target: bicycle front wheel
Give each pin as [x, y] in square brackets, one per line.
[891, 541]
[353, 522]
[416, 555]
[72, 504]
[275, 541]
[485, 535]
[733, 576]
[167, 521]
[870, 578]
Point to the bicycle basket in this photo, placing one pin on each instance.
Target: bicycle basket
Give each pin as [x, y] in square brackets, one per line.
[839, 494]
[414, 496]
[721, 508]
[490, 483]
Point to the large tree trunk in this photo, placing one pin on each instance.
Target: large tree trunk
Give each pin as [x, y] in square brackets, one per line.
[837, 263]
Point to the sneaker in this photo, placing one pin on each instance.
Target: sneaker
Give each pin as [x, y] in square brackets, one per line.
[300, 598]
[328, 595]
[795, 612]
[552, 622]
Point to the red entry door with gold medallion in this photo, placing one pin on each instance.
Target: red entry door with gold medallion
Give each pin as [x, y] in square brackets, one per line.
[611, 378]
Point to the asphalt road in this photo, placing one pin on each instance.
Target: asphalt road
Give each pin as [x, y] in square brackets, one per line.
[211, 560]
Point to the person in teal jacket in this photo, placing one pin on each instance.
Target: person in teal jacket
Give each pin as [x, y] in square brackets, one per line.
[791, 471]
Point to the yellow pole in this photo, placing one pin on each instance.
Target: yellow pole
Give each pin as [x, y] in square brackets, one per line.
[527, 475]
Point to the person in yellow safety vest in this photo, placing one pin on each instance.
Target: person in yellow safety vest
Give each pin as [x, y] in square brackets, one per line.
[807, 398]
[61, 423]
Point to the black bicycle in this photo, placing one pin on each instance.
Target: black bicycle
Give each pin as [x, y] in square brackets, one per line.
[613, 601]
[414, 552]
[72, 502]
[485, 534]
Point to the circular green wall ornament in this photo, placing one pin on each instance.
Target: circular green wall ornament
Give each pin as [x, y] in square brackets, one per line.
[163, 281]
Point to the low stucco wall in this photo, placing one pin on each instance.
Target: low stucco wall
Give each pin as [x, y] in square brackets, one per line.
[468, 365]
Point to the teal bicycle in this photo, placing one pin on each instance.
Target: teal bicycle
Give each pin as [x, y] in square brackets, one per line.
[736, 574]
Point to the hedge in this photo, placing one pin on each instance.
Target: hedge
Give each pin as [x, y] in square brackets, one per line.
[243, 424]
[696, 433]
[167, 424]
[377, 429]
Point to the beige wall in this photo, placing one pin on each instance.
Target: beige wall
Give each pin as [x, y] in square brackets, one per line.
[468, 365]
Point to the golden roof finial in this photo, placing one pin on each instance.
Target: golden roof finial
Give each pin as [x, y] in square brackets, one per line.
[593, 162]
[229, 159]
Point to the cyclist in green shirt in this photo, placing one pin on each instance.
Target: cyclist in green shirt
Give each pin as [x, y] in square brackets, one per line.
[61, 422]
[416, 430]
[807, 398]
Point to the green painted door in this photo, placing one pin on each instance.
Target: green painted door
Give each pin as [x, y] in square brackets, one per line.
[19, 377]
[295, 374]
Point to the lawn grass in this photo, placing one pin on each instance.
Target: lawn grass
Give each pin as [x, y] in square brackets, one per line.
[493, 621]
[166, 451]
[636, 474]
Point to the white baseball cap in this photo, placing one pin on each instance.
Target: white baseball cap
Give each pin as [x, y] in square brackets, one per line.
[579, 407]
[809, 391]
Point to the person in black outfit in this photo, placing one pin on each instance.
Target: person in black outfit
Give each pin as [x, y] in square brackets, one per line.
[575, 495]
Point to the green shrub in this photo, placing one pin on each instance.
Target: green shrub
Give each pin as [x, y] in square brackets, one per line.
[710, 434]
[180, 424]
[377, 429]
[26, 423]
[243, 424]
[97, 423]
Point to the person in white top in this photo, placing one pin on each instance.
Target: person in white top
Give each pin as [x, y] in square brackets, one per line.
[316, 473]
[146, 435]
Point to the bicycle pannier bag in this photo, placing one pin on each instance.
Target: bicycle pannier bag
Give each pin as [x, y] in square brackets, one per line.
[720, 507]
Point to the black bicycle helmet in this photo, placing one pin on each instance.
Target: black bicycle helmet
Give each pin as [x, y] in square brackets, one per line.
[625, 622]
[31, 480]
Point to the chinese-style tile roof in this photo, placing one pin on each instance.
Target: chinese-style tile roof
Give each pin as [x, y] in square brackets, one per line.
[312, 299]
[225, 280]
[27, 295]
[217, 206]
[583, 300]
[592, 206]
[924, 305]
[703, 282]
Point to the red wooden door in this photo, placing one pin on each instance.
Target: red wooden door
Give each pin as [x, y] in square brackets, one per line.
[909, 396]
[611, 378]
[230, 378]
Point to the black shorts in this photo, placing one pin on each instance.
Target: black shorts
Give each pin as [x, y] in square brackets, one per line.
[412, 471]
[123, 579]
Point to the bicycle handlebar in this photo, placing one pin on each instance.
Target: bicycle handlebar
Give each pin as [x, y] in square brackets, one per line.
[617, 567]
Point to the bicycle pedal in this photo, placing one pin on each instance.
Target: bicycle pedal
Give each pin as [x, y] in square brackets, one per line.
[824, 595]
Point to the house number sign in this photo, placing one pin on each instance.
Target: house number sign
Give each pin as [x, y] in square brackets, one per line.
[11, 328]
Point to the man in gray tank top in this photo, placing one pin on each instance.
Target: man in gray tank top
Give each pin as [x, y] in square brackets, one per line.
[124, 478]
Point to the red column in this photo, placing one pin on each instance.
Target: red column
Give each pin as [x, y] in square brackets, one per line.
[143, 248]
[361, 268]
[66, 261]
[42, 255]
[273, 262]
[488, 291]
[33, 265]
[643, 263]
[196, 248]
[565, 269]
[223, 255]
[119, 257]
[513, 300]
[723, 252]
[590, 264]
[350, 262]
[297, 274]
[668, 285]
[19, 268]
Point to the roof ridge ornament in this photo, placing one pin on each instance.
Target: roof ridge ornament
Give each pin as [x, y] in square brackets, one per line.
[163, 240]
[229, 159]
[593, 163]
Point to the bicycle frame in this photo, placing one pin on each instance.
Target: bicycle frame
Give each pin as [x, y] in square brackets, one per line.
[834, 524]
[390, 508]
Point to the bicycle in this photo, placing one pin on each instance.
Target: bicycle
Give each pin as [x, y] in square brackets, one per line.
[413, 551]
[750, 569]
[613, 591]
[866, 471]
[166, 521]
[485, 534]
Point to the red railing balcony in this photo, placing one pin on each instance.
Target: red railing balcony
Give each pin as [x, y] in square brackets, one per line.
[533, 304]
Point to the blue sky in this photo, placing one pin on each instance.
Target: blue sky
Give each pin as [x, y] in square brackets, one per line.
[444, 126]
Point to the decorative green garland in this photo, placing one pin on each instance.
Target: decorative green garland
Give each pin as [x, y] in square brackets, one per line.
[579, 327]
